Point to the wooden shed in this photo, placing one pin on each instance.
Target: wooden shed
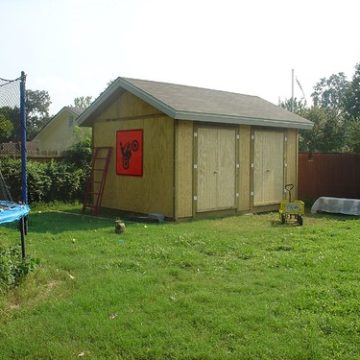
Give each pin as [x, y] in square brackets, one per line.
[184, 151]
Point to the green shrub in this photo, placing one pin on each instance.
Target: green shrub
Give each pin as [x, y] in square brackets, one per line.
[66, 181]
[79, 154]
[11, 170]
[39, 182]
[12, 267]
[50, 181]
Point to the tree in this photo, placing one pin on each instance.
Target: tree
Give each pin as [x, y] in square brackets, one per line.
[37, 111]
[11, 115]
[310, 139]
[82, 102]
[352, 108]
[335, 114]
[353, 136]
[6, 128]
[330, 93]
[329, 97]
[37, 114]
[352, 100]
[294, 105]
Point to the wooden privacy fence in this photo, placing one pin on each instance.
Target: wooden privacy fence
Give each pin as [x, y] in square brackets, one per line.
[12, 149]
[336, 175]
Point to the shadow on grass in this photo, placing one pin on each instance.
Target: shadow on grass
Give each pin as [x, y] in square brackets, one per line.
[56, 222]
[333, 216]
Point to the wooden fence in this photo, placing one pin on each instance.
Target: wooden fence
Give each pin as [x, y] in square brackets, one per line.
[12, 149]
[336, 175]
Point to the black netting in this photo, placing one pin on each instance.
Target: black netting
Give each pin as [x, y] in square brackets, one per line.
[9, 99]
[4, 190]
[10, 93]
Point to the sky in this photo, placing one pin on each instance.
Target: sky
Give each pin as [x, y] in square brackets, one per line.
[73, 48]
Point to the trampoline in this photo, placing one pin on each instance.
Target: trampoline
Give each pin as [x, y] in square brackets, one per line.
[10, 211]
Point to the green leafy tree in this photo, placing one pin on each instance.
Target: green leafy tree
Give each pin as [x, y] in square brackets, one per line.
[335, 114]
[353, 136]
[328, 114]
[82, 102]
[37, 114]
[352, 108]
[311, 139]
[6, 128]
[330, 93]
[295, 105]
[352, 100]
[37, 111]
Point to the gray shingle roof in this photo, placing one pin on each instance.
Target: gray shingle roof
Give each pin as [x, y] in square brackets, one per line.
[200, 104]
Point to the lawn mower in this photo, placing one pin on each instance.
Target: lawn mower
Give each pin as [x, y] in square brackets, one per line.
[291, 209]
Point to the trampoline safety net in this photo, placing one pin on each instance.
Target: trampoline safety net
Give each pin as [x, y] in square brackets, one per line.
[9, 102]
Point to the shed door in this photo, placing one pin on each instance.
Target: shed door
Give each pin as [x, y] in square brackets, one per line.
[216, 169]
[268, 167]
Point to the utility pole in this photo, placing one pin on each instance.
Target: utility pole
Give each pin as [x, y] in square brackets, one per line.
[292, 90]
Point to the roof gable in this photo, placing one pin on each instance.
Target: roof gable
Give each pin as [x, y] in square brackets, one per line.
[66, 110]
[199, 104]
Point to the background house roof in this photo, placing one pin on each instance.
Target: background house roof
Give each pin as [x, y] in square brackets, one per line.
[199, 104]
[75, 109]
[71, 109]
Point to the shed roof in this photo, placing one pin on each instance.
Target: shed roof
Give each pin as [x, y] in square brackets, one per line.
[198, 104]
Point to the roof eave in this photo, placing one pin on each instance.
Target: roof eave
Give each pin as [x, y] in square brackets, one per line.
[239, 120]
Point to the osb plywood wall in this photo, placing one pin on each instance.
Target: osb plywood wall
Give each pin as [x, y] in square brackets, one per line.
[152, 192]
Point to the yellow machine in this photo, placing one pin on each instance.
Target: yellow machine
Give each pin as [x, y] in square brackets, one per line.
[291, 209]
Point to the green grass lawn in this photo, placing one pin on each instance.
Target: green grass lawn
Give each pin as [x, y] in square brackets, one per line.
[233, 288]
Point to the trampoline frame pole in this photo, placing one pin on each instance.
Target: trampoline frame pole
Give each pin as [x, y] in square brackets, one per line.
[24, 193]
[23, 139]
[22, 235]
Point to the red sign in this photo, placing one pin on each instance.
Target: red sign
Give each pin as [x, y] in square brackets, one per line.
[129, 152]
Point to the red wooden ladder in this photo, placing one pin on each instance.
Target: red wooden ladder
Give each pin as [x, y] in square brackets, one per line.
[95, 185]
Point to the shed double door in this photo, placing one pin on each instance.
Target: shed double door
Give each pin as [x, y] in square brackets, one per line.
[216, 168]
[268, 167]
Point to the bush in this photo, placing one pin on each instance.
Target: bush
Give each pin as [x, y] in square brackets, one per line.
[67, 181]
[51, 181]
[12, 267]
[79, 154]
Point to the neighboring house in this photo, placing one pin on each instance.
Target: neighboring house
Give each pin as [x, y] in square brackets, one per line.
[60, 133]
[184, 151]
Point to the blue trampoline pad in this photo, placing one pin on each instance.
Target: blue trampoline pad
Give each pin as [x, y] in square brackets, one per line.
[10, 211]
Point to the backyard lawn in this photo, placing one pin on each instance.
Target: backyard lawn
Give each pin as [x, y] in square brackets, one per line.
[234, 288]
